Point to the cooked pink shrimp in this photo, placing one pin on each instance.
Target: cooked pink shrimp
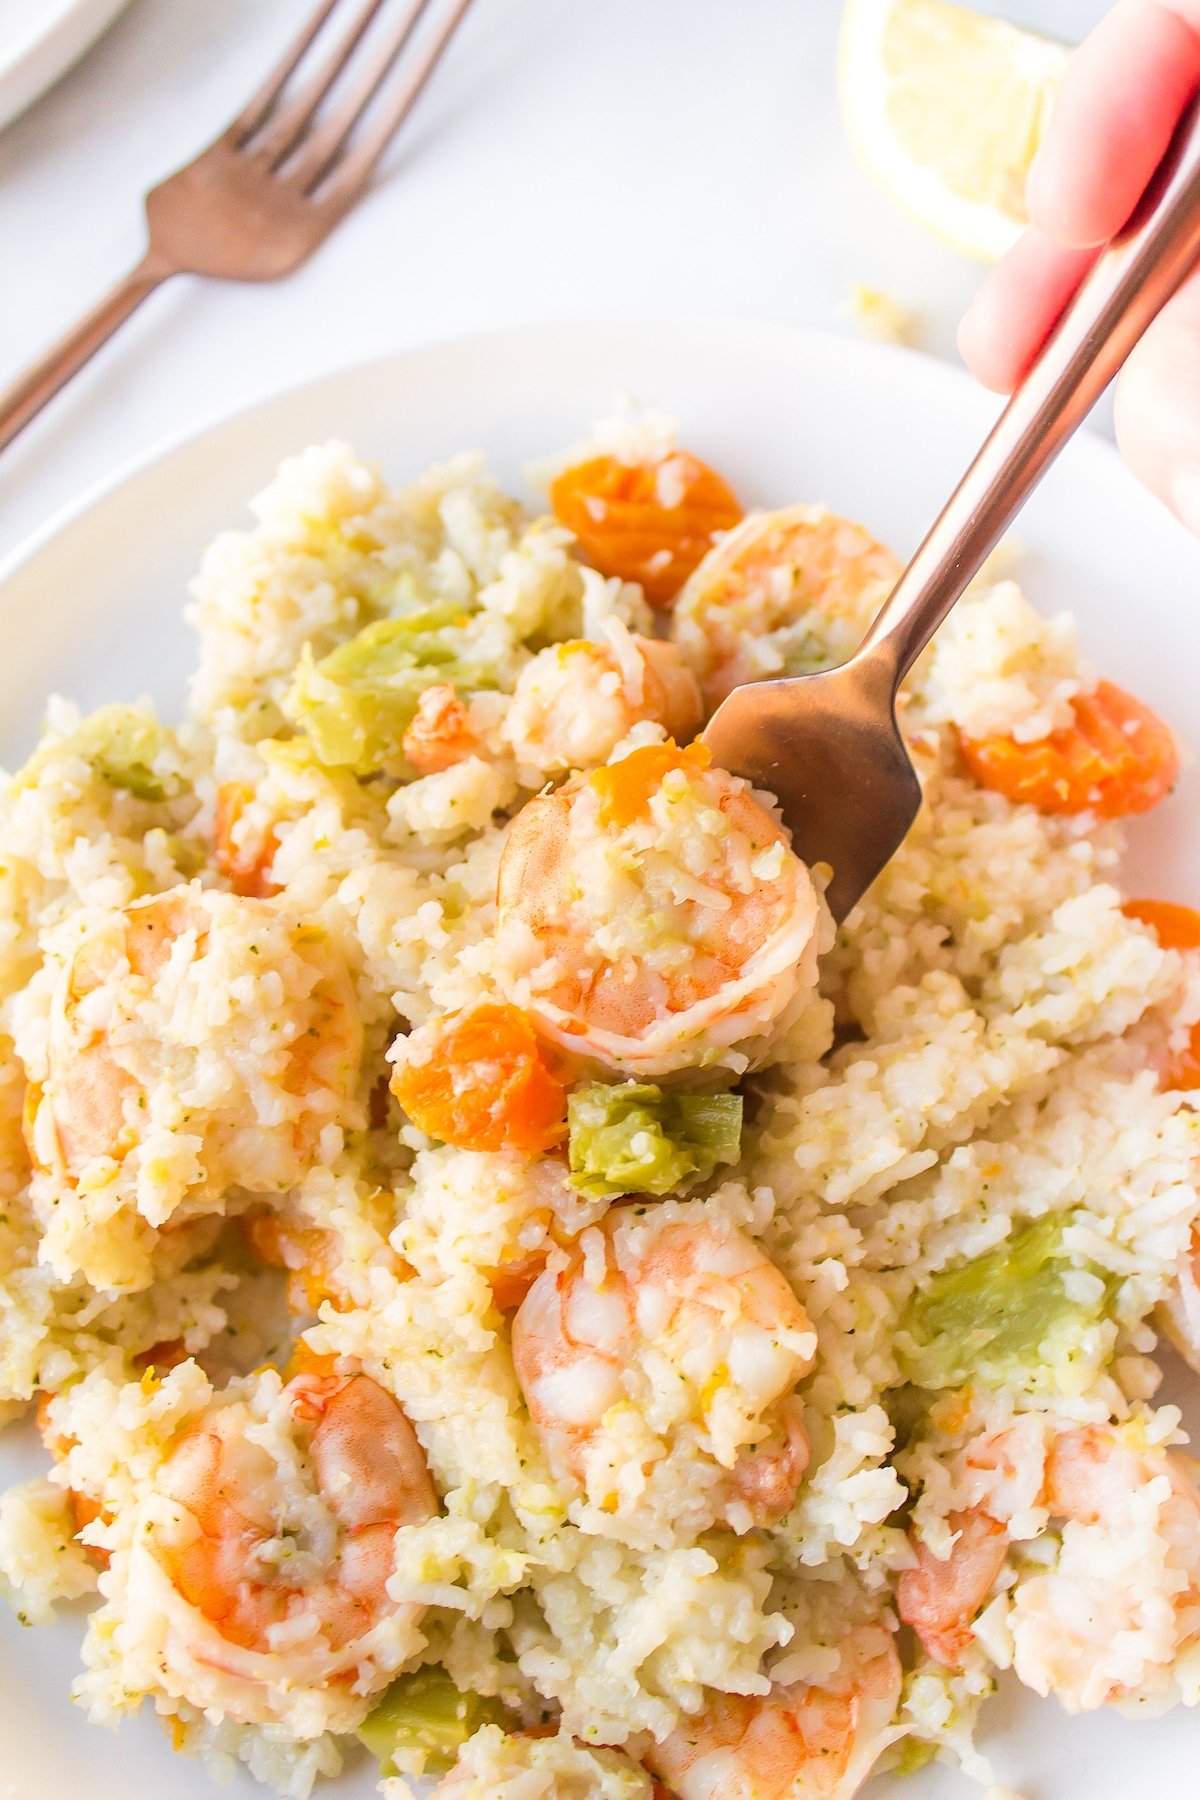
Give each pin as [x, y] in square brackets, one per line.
[98, 1063]
[942, 1595]
[1109, 1621]
[278, 1540]
[805, 1741]
[574, 702]
[441, 733]
[193, 1042]
[652, 916]
[783, 593]
[668, 1338]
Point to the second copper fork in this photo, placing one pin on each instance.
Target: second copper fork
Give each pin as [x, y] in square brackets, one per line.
[260, 199]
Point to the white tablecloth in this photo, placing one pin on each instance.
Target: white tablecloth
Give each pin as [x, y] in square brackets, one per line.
[574, 159]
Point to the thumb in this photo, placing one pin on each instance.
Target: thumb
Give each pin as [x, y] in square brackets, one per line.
[1158, 406]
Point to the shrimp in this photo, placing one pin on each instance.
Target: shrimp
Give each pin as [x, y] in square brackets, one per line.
[266, 1552]
[659, 1358]
[652, 916]
[575, 702]
[441, 733]
[807, 1740]
[783, 594]
[189, 1044]
[942, 1595]
[1109, 1621]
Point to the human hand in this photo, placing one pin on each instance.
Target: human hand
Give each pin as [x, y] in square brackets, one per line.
[1124, 92]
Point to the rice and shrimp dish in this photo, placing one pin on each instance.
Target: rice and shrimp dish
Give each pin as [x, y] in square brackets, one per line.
[512, 1296]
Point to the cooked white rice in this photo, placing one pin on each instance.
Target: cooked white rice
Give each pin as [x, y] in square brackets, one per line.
[979, 1064]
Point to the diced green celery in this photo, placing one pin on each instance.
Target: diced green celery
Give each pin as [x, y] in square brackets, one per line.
[356, 703]
[425, 1713]
[636, 1139]
[1000, 1315]
[122, 745]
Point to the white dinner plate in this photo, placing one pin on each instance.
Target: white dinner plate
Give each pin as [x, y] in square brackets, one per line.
[92, 609]
[40, 40]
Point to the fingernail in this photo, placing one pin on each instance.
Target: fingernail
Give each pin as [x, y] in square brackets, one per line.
[1185, 499]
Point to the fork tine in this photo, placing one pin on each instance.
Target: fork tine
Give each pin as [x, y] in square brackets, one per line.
[323, 146]
[351, 172]
[261, 104]
[285, 129]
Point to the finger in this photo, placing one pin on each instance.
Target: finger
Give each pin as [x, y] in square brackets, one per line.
[1124, 90]
[1158, 406]
[1016, 308]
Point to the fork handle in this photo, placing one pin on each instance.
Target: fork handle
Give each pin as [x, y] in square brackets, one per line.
[27, 395]
[1127, 287]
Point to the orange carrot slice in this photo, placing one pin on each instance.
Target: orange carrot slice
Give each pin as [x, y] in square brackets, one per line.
[1115, 758]
[482, 1082]
[650, 522]
[626, 788]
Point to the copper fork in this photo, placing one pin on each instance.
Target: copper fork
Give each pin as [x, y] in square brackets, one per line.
[828, 746]
[270, 189]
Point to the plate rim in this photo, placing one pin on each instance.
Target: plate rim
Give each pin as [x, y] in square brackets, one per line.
[733, 325]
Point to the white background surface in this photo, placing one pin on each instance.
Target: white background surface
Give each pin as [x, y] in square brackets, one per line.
[574, 159]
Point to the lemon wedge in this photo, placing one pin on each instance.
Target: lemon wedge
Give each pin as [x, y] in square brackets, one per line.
[947, 109]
